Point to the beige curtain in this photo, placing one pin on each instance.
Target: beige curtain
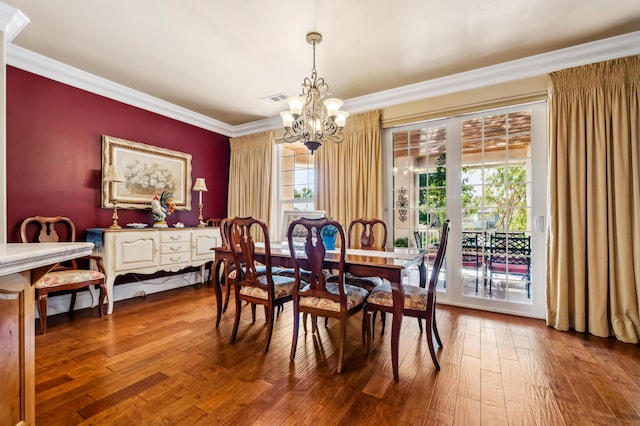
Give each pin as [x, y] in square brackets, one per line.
[250, 176]
[593, 257]
[349, 174]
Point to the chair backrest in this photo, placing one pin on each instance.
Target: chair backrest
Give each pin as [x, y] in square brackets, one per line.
[509, 234]
[439, 260]
[225, 224]
[311, 256]
[367, 237]
[50, 229]
[470, 248]
[418, 238]
[511, 250]
[246, 229]
[213, 221]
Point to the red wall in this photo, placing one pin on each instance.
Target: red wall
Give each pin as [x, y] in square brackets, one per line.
[54, 140]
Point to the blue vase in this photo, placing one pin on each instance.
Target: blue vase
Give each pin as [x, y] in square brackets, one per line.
[329, 242]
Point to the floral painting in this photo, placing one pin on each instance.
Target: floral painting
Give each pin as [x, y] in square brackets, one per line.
[144, 177]
[147, 171]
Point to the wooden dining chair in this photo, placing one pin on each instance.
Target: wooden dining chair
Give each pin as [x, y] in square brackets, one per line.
[315, 295]
[226, 273]
[367, 239]
[418, 302]
[62, 277]
[256, 283]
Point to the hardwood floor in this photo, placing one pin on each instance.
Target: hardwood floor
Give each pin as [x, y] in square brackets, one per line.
[160, 360]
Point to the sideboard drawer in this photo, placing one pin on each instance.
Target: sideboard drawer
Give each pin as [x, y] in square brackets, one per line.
[168, 248]
[174, 258]
[175, 236]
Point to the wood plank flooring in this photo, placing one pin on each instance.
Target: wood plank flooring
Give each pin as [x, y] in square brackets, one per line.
[159, 360]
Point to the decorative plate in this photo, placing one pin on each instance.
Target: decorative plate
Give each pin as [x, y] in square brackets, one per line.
[137, 225]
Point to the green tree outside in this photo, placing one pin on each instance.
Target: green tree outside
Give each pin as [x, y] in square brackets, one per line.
[304, 193]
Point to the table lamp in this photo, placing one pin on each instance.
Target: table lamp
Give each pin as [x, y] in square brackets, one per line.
[200, 186]
[113, 175]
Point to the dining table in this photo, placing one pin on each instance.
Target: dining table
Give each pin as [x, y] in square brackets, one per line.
[392, 265]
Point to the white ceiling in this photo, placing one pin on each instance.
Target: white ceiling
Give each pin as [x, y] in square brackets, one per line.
[219, 58]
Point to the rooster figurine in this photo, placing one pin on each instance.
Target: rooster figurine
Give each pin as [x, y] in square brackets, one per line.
[161, 207]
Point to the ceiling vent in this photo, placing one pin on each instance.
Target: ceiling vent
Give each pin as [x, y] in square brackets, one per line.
[274, 98]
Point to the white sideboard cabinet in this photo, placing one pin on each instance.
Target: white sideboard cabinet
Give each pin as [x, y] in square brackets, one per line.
[150, 250]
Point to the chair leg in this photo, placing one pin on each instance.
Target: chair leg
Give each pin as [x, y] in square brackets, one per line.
[73, 301]
[226, 301]
[253, 313]
[269, 313]
[367, 321]
[383, 320]
[42, 311]
[103, 293]
[420, 324]
[435, 327]
[294, 340]
[222, 277]
[430, 324]
[236, 323]
[477, 267]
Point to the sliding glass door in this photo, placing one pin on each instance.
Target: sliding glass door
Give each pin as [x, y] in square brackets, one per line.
[485, 172]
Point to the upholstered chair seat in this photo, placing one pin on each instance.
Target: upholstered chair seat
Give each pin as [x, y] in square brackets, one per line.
[415, 298]
[282, 286]
[355, 296]
[71, 276]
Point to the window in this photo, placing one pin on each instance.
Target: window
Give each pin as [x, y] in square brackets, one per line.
[297, 176]
[295, 180]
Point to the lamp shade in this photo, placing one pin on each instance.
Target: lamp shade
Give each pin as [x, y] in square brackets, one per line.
[200, 185]
[113, 174]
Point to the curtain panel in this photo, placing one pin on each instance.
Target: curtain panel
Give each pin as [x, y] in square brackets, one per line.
[593, 241]
[250, 176]
[349, 174]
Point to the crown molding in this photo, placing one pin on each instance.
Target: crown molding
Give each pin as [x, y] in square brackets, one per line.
[601, 50]
[29, 61]
[588, 53]
[12, 22]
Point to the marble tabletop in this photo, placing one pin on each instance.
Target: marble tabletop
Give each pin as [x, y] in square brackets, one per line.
[18, 257]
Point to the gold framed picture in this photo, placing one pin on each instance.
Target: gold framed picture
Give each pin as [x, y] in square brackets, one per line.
[147, 171]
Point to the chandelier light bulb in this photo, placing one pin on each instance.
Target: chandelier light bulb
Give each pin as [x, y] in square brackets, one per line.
[296, 103]
[333, 106]
[287, 118]
[341, 118]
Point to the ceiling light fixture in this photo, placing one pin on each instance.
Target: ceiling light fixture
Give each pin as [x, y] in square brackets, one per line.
[311, 119]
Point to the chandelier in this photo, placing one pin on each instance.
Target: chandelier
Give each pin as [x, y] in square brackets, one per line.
[311, 119]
